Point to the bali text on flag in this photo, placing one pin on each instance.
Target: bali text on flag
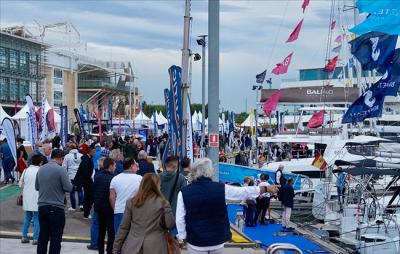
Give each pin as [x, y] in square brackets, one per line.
[272, 102]
[282, 68]
[319, 162]
[295, 34]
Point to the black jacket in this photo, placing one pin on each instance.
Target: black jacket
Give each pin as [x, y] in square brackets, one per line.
[145, 167]
[287, 195]
[83, 176]
[101, 191]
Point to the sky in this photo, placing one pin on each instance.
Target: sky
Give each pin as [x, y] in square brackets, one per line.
[149, 34]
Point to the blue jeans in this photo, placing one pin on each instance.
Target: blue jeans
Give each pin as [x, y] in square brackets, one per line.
[76, 188]
[94, 230]
[117, 221]
[28, 218]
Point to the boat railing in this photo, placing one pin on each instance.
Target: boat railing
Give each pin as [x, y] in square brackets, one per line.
[280, 248]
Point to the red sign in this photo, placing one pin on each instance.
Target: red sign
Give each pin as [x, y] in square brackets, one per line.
[213, 140]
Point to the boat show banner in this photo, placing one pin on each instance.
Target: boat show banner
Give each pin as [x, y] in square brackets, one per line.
[79, 122]
[8, 131]
[64, 126]
[32, 120]
[313, 94]
[175, 73]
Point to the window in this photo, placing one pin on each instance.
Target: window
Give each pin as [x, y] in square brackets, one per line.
[13, 89]
[13, 59]
[4, 89]
[58, 98]
[58, 77]
[33, 67]
[23, 61]
[23, 89]
[4, 58]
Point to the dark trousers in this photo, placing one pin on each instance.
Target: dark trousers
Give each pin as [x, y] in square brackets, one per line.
[262, 206]
[87, 200]
[250, 212]
[52, 222]
[106, 224]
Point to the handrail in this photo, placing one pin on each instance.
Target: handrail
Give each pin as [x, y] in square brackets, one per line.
[278, 248]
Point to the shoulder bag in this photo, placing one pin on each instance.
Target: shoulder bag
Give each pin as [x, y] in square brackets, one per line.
[172, 243]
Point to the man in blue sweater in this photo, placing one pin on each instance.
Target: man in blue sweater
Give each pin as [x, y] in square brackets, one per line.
[287, 202]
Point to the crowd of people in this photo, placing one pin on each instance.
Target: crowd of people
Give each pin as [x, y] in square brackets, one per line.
[116, 186]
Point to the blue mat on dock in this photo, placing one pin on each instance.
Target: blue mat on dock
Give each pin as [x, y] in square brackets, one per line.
[272, 233]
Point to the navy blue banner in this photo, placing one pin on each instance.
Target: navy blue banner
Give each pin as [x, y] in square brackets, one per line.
[79, 122]
[171, 123]
[82, 116]
[373, 49]
[109, 111]
[176, 92]
[64, 126]
[261, 77]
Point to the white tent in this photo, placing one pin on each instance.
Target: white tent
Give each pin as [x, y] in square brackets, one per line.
[160, 119]
[3, 114]
[142, 119]
[21, 114]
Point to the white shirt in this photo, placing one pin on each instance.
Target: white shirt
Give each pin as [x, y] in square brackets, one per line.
[264, 184]
[231, 193]
[30, 195]
[125, 185]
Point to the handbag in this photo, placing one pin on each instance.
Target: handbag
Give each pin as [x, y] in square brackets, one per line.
[20, 200]
[172, 243]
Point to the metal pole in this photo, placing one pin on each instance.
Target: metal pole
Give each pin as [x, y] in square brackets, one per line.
[185, 74]
[203, 92]
[213, 79]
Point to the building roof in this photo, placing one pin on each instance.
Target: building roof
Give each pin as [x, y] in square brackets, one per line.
[31, 40]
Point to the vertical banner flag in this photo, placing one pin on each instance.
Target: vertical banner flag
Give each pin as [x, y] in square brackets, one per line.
[88, 118]
[305, 4]
[79, 122]
[64, 126]
[176, 92]
[8, 131]
[277, 121]
[82, 117]
[373, 49]
[32, 120]
[155, 126]
[282, 68]
[100, 127]
[261, 77]
[43, 116]
[51, 124]
[119, 125]
[252, 121]
[272, 102]
[29, 128]
[295, 34]
[109, 111]
[189, 132]
[171, 122]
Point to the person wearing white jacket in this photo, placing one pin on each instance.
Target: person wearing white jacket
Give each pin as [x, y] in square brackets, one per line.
[30, 199]
[71, 164]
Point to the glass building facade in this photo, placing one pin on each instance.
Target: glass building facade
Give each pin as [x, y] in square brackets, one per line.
[21, 62]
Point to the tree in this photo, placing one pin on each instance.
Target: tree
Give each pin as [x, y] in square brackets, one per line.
[240, 118]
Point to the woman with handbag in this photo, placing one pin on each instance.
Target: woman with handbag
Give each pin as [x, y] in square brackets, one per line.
[146, 221]
[30, 199]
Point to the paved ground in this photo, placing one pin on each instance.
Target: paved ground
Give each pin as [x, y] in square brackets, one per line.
[13, 246]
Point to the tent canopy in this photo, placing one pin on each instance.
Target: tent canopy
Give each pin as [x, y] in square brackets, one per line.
[141, 117]
[3, 114]
[21, 114]
[160, 119]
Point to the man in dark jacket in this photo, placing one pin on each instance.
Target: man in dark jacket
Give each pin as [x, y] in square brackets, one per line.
[144, 166]
[105, 213]
[83, 178]
[287, 202]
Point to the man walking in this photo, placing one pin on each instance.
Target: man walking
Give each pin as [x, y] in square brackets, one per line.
[52, 182]
[101, 193]
[287, 202]
[83, 178]
[144, 166]
[122, 187]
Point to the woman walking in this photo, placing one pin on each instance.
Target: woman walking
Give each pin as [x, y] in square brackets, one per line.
[146, 218]
[30, 199]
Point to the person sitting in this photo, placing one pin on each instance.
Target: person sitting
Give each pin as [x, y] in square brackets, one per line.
[144, 166]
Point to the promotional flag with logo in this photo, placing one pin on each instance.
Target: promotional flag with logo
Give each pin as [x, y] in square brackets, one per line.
[295, 34]
[261, 77]
[373, 49]
[384, 20]
[171, 122]
[64, 126]
[282, 68]
[272, 102]
[32, 120]
[369, 104]
[79, 122]
[316, 120]
[176, 92]
[8, 131]
[305, 4]
[189, 132]
[331, 65]
[319, 162]
[42, 116]
[374, 5]
[51, 125]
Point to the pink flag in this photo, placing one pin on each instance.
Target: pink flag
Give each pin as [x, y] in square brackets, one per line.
[333, 24]
[295, 34]
[338, 39]
[282, 68]
[271, 103]
[305, 4]
[316, 120]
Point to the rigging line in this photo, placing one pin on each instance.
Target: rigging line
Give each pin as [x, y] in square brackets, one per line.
[277, 35]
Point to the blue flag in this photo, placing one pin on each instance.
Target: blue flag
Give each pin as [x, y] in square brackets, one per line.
[368, 105]
[261, 77]
[374, 5]
[373, 49]
[386, 20]
[176, 92]
[387, 86]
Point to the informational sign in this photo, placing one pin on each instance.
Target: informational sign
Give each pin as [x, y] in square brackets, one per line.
[213, 140]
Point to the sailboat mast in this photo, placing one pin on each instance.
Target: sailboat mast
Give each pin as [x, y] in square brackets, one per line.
[185, 72]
